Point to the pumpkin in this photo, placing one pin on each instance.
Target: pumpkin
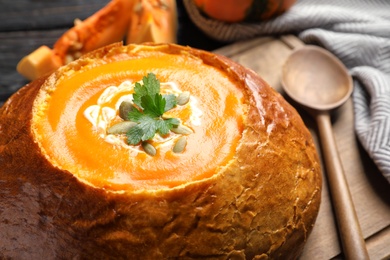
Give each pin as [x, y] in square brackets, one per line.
[243, 10]
[137, 20]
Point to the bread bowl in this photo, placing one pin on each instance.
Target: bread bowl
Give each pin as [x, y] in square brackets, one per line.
[246, 186]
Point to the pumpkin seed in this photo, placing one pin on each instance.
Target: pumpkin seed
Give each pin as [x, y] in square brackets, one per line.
[149, 148]
[182, 129]
[183, 98]
[124, 109]
[180, 145]
[121, 127]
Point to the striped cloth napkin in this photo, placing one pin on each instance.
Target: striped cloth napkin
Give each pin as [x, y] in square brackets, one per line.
[358, 33]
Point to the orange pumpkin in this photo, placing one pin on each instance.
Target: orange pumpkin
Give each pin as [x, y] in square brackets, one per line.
[243, 10]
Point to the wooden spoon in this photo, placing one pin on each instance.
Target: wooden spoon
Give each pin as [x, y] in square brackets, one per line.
[316, 79]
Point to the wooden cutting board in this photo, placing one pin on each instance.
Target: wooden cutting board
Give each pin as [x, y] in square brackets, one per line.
[370, 190]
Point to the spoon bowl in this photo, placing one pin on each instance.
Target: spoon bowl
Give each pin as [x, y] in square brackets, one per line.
[315, 78]
[318, 81]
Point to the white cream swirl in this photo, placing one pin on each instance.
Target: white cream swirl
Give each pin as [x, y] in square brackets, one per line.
[100, 115]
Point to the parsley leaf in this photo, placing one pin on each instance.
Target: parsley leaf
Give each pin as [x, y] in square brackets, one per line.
[134, 114]
[171, 101]
[151, 106]
[134, 135]
[139, 92]
[150, 87]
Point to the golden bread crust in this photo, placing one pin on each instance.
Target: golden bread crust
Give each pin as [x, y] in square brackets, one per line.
[262, 205]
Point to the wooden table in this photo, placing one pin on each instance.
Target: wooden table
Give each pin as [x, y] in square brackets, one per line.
[26, 25]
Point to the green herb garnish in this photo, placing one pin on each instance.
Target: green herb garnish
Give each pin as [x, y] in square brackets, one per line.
[151, 106]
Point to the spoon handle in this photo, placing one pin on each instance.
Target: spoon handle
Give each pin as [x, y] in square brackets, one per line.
[350, 232]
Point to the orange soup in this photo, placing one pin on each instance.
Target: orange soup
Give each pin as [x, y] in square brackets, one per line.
[75, 112]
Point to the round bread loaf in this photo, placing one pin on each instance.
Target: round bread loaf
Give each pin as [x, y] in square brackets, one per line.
[247, 184]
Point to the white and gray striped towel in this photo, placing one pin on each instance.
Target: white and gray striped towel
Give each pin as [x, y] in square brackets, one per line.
[358, 32]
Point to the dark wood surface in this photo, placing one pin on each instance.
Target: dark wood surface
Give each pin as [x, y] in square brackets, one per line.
[27, 24]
